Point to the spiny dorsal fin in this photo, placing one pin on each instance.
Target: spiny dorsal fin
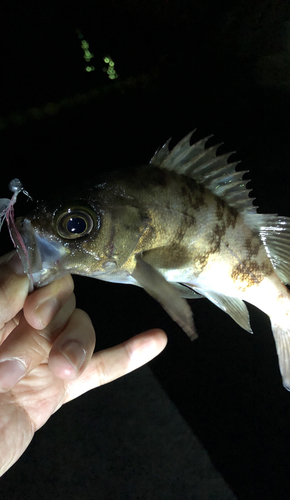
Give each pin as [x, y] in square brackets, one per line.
[204, 166]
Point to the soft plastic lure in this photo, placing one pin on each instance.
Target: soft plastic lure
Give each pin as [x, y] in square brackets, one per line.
[7, 213]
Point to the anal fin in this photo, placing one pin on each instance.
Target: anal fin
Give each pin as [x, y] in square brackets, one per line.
[186, 292]
[234, 307]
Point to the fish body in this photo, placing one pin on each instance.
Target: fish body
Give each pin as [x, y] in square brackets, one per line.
[181, 227]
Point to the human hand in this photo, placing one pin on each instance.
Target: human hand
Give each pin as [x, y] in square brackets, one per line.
[46, 356]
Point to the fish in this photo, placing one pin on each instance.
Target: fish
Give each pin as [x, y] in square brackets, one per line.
[182, 227]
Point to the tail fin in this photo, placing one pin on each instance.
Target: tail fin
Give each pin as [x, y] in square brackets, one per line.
[281, 332]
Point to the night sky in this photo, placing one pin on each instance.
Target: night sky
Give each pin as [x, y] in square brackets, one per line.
[220, 67]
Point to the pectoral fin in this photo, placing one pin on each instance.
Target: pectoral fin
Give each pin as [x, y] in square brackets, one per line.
[157, 286]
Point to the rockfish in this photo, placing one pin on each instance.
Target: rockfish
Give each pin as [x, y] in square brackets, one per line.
[182, 226]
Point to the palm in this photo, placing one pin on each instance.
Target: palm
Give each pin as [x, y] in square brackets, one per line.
[34, 399]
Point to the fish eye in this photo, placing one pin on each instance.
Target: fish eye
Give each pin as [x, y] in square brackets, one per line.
[74, 224]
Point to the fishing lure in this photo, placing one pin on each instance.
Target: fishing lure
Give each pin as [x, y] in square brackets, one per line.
[7, 213]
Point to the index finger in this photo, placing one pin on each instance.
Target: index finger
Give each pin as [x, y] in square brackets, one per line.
[117, 361]
[13, 290]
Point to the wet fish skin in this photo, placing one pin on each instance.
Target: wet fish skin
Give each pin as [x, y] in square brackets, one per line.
[184, 220]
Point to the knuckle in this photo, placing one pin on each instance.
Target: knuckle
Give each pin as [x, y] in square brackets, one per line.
[102, 374]
[37, 350]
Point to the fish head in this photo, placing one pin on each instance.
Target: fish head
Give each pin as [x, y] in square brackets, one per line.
[75, 236]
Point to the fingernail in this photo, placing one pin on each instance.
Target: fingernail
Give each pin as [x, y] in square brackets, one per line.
[74, 353]
[11, 371]
[47, 310]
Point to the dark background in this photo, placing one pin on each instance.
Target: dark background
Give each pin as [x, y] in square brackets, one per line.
[201, 411]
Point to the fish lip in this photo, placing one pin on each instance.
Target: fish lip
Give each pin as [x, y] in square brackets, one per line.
[41, 257]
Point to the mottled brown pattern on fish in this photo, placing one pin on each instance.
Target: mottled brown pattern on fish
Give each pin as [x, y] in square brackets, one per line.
[250, 272]
[200, 262]
[220, 209]
[178, 252]
[226, 213]
[220, 227]
[218, 232]
[252, 246]
[223, 218]
[187, 223]
[231, 217]
[194, 194]
[175, 253]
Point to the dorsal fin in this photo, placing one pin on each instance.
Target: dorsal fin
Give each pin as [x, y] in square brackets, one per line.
[204, 166]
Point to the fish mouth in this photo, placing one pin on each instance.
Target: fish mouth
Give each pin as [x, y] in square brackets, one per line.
[41, 257]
